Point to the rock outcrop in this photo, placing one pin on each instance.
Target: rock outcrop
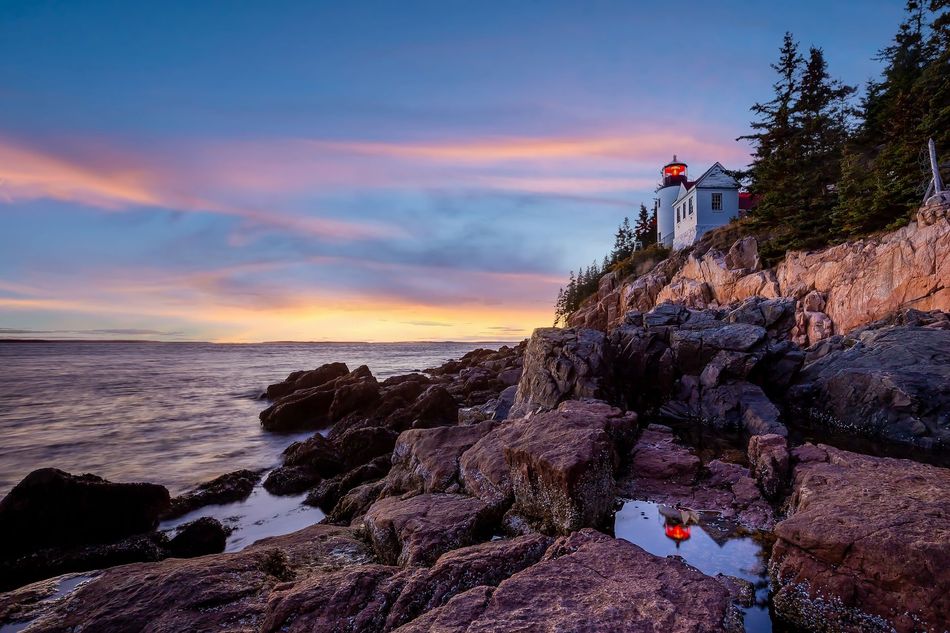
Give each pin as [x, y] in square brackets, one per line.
[866, 546]
[556, 468]
[591, 582]
[869, 279]
[227, 488]
[427, 460]
[891, 383]
[708, 364]
[837, 289]
[562, 364]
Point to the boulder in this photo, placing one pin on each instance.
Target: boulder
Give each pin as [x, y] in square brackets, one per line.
[769, 463]
[891, 383]
[556, 467]
[321, 405]
[590, 582]
[417, 530]
[50, 508]
[227, 488]
[306, 379]
[865, 547]
[197, 538]
[657, 455]
[329, 491]
[355, 502]
[427, 460]
[562, 364]
[305, 465]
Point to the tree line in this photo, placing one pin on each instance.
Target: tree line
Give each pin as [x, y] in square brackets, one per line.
[628, 240]
[826, 169]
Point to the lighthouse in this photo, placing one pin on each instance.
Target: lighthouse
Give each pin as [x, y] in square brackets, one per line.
[672, 176]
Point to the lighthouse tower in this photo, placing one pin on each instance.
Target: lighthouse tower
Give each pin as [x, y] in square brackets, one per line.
[672, 176]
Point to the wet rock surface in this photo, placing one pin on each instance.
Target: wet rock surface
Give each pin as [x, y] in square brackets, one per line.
[227, 488]
[867, 544]
[591, 582]
[890, 383]
[663, 470]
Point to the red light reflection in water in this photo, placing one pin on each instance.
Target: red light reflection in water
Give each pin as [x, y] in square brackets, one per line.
[676, 531]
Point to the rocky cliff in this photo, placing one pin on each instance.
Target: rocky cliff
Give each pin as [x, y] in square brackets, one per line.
[836, 290]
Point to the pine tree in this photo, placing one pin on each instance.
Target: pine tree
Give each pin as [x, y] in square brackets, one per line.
[934, 83]
[884, 167]
[629, 237]
[559, 307]
[775, 140]
[645, 231]
[820, 118]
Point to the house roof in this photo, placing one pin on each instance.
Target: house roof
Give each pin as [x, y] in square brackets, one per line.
[698, 183]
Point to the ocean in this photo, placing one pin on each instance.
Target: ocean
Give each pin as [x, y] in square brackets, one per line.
[175, 414]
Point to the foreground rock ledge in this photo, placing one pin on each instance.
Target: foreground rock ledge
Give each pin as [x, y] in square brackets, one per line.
[867, 546]
[590, 582]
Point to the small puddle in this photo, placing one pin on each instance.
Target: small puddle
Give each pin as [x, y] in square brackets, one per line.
[59, 588]
[709, 546]
[259, 516]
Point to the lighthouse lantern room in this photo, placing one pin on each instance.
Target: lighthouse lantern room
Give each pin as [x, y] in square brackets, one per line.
[672, 176]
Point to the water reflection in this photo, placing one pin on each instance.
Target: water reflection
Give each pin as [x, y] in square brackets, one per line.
[260, 515]
[705, 542]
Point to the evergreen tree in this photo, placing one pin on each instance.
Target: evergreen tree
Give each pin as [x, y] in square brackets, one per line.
[934, 83]
[820, 118]
[645, 231]
[885, 164]
[775, 140]
[559, 307]
[629, 237]
[623, 241]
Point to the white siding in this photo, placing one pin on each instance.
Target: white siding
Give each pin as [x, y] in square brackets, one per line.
[691, 226]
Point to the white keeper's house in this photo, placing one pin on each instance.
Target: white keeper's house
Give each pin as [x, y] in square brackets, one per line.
[685, 209]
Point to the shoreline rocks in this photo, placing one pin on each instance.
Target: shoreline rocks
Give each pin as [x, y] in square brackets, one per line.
[866, 545]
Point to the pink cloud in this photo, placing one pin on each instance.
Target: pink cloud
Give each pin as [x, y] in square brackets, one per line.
[117, 183]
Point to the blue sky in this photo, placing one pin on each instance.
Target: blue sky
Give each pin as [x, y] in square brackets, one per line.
[358, 171]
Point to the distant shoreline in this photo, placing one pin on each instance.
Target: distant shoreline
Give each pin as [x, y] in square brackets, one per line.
[109, 340]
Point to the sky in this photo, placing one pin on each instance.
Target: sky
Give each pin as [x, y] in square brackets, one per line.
[359, 171]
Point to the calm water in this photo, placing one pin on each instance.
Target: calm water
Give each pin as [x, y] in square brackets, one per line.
[642, 523]
[175, 414]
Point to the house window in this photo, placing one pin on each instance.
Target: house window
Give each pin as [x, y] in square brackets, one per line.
[691, 206]
[717, 202]
[677, 214]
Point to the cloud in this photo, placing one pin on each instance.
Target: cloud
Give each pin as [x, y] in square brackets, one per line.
[632, 145]
[93, 332]
[116, 181]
